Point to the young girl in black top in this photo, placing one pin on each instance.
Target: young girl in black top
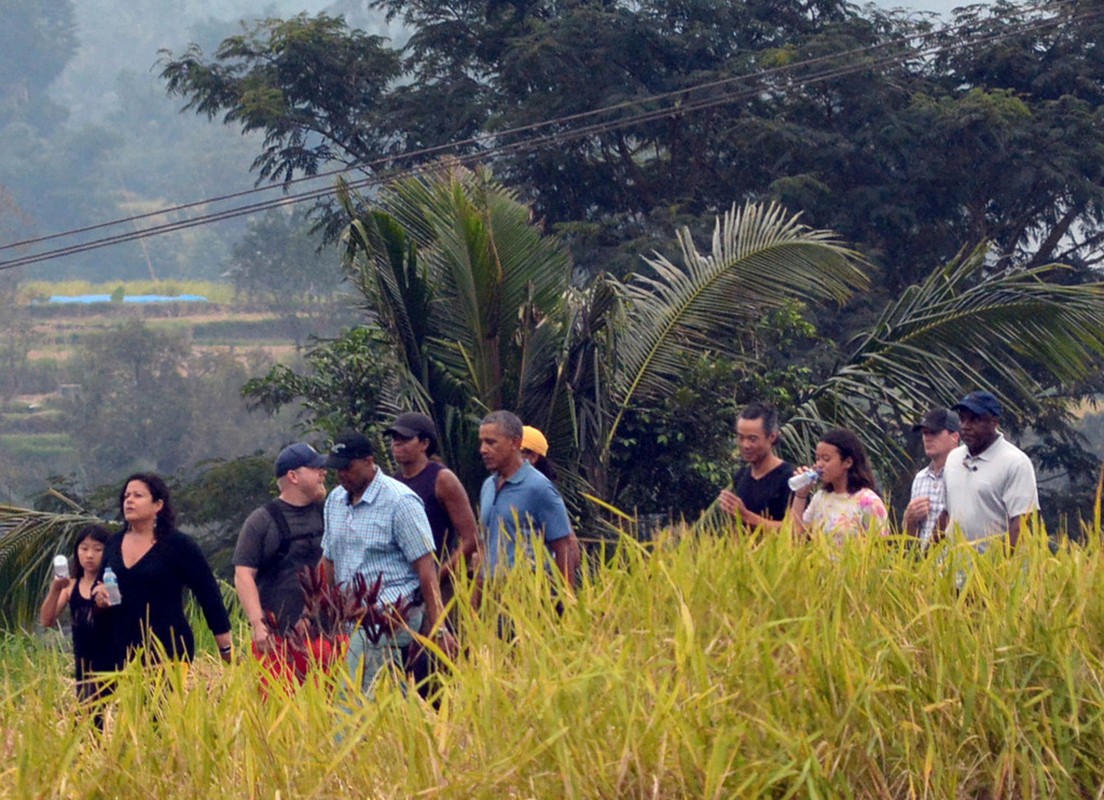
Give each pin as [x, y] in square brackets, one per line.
[91, 629]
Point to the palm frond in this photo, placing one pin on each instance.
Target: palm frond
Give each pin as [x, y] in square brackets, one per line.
[1009, 332]
[761, 257]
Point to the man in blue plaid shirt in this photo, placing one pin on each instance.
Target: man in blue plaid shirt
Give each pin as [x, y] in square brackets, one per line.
[376, 526]
[940, 430]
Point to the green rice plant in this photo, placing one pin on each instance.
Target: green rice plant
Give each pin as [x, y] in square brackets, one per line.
[714, 664]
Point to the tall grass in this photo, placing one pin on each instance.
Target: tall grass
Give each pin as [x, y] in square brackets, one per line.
[706, 666]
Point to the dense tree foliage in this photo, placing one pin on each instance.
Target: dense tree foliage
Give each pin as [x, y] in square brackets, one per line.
[914, 148]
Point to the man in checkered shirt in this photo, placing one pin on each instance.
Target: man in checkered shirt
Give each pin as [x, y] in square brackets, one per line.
[377, 527]
[940, 430]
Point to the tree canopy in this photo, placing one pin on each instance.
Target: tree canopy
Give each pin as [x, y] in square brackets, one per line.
[910, 141]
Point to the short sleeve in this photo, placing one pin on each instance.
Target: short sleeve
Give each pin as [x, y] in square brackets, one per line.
[412, 532]
[556, 523]
[1021, 495]
[874, 512]
[813, 509]
[254, 543]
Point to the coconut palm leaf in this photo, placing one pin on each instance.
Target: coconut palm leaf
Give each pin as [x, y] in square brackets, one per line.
[465, 284]
[28, 542]
[761, 257]
[1011, 332]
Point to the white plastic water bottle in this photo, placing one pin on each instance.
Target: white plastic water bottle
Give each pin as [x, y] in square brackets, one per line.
[803, 479]
[61, 566]
[111, 583]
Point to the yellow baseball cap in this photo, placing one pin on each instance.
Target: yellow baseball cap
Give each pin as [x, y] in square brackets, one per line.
[532, 439]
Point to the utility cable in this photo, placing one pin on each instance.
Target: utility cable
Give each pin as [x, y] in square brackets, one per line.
[686, 105]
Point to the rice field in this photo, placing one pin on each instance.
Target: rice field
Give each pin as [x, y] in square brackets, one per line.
[704, 664]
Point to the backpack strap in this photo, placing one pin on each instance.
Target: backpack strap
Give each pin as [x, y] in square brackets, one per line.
[276, 511]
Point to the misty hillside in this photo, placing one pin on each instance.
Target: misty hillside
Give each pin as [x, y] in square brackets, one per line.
[91, 136]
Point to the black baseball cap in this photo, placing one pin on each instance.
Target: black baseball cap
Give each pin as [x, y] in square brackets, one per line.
[413, 425]
[939, 419]
[348, 447]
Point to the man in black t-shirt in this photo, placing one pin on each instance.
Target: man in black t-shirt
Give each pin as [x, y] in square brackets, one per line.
[760, 494]
[276, 541]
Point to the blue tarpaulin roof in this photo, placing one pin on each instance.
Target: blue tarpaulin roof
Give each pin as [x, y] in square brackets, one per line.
[130, 298]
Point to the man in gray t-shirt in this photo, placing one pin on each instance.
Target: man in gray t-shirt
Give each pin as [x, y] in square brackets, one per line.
[267, 558]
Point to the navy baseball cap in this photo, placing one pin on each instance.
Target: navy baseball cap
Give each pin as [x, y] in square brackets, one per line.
[298, 455]
[980, 403]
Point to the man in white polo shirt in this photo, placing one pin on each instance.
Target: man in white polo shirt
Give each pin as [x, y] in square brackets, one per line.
[990, 481]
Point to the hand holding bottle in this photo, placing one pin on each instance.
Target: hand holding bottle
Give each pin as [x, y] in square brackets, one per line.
[803, 478]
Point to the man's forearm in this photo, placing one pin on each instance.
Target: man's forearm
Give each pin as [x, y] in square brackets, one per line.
[426, 569]
[245, 584]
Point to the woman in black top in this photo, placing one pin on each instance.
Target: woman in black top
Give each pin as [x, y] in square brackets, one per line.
[154, 562]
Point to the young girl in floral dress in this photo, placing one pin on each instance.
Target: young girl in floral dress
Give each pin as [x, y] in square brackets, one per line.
[847, 504]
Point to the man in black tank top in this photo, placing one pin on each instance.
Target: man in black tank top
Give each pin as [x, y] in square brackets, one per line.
[760, 493]
[413, 444]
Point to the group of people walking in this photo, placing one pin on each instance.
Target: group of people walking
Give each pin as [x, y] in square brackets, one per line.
[414, 531]
[977, 485]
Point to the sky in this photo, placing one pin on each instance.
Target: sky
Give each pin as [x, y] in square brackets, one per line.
[939, 6]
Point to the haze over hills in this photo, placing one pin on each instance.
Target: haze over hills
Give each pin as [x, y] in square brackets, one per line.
[117, 145]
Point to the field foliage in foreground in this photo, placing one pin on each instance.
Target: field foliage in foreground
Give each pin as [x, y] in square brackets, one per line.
[706, 666]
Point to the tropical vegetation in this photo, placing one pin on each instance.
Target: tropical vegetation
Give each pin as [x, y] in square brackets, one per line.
[708, 665]
[478, 310]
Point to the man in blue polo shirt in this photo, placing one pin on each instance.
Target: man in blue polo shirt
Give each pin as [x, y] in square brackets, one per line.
[376, 527]
[518, 505]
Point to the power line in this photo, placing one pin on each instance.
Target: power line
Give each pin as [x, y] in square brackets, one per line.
[685, 104]
[481, 138]
[421, 153]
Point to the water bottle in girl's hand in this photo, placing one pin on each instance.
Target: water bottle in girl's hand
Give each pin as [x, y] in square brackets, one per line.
[61, 566]
[111, 583]
[803, 479]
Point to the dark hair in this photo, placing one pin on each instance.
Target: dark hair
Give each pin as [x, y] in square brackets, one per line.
[859, 476]
[166, 517]
[546, 468]
[764, 412]
[97, 533]
[431, 450]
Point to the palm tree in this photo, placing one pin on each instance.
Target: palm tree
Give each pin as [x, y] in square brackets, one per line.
[481, 308]
[761, 259]
[28, 542]
[470, 293]
[1012, 332]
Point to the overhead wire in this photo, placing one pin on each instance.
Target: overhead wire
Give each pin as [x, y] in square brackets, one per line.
[410, 155]
[686, 104]
[1048, 5]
